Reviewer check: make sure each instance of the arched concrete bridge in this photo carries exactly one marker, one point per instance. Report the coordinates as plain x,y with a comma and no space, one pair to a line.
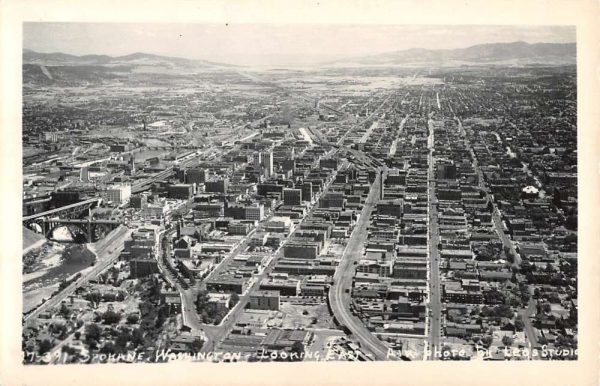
93,229
70,215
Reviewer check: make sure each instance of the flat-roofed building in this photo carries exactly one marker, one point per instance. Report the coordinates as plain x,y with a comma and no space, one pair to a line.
180,191
292,196
117,194
264,300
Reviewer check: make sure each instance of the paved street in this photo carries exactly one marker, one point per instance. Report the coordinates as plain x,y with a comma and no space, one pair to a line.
339,298
435,303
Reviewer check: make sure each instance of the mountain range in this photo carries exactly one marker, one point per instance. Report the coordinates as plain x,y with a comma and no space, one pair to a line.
516,53
135,59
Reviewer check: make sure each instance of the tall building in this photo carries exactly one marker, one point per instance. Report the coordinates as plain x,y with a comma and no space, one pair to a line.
217,186
446,171
268,163
268,188
195,175
307,191
138,201
117,194
140,251
329,163
49,136
258,161
391,207
333,200
292,196
180,191
263,163
289,165
254,212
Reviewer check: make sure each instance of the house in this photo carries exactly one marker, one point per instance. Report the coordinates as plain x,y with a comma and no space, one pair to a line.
183,342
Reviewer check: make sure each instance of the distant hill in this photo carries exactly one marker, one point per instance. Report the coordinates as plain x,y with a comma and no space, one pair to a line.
140,68
61,69
138,58
516,53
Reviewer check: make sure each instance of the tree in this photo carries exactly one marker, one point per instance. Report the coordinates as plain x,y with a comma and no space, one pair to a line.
546,307
507,340
513,278
111,317
45,346
77,334
205,317
122,339
486,340
160,320
571,238
298,349
92,331
64,310
510,257
234,299
571,222
137,337
197,344
69,350
108,348
494,296
59,329
132,318
201,300
519,324
556,198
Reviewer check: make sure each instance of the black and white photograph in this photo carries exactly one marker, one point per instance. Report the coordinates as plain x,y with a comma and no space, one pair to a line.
204,192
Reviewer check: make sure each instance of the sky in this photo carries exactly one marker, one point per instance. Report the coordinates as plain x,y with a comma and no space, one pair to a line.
271,44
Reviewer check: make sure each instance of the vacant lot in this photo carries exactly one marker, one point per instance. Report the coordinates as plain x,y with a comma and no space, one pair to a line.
314,316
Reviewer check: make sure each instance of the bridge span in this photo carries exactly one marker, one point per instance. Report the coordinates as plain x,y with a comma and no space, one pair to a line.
77,207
